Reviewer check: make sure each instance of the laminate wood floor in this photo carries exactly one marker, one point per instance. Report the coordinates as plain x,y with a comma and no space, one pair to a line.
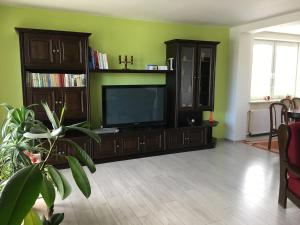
233,184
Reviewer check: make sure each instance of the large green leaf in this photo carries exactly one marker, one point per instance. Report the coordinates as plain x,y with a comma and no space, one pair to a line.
79,176
82,155
85,131
19,195
32,218
48,192
50,115
56,219
60,182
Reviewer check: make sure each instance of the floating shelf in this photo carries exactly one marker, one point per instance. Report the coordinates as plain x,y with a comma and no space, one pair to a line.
129,71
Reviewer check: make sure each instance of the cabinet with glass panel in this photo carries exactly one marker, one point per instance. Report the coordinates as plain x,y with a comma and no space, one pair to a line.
191,85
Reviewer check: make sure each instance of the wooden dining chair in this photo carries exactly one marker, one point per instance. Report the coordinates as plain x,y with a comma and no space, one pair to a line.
278,115
287,102
289,143
296,103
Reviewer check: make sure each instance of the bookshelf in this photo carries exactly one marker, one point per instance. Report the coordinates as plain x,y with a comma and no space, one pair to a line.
54,69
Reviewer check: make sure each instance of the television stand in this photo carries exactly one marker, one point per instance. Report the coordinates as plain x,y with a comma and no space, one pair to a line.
141,142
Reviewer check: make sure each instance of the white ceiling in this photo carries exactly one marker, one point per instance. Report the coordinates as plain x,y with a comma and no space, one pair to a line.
293,28
218,12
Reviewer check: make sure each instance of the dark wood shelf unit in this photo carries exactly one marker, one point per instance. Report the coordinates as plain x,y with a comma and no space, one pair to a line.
51,51
129,71
191,85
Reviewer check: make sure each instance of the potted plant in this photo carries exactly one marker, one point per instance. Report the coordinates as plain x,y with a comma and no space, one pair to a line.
35,177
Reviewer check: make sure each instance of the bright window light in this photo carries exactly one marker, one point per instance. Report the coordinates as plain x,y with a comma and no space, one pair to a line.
274,69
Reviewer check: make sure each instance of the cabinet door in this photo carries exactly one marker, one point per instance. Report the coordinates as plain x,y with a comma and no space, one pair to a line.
74,100
39,50
205,84
194,137
72,52
106,148
174,139
39,95
130,144
187,76
153,142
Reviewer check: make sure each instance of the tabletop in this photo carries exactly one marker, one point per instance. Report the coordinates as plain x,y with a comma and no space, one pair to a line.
294,113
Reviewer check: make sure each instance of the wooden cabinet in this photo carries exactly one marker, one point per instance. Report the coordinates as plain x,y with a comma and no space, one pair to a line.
38,95
184,138
153,141
174,139
48,53
191,85
62,149
72,52
194,137
39,50
54,50
74,99
75,102
141,142
130,143
107,148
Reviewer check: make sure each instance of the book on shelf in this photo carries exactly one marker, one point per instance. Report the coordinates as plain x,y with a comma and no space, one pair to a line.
55,80
97,60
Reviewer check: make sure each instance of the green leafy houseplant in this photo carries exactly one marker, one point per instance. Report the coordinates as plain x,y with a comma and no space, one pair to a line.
41,178
17,122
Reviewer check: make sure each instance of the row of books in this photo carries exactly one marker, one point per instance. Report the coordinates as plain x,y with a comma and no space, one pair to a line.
55,80
97,60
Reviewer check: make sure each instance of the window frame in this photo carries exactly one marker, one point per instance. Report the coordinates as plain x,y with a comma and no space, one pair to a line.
273,67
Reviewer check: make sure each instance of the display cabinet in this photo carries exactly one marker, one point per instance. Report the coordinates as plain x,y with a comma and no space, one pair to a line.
191,85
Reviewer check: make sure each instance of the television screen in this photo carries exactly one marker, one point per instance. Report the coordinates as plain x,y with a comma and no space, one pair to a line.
134,105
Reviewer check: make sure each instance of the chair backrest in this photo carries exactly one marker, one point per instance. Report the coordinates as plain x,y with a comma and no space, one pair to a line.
289,143
278,115
287,102
296,103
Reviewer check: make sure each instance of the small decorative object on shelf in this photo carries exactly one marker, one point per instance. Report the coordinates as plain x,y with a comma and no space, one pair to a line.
267,98
211,117
125,61
151,67
162,67
170,63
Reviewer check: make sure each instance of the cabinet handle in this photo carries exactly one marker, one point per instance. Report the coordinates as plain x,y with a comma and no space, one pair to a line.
53,50
60,102
56,102
57,50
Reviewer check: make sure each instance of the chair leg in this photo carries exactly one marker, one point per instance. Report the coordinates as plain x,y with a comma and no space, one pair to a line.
270,139
282,198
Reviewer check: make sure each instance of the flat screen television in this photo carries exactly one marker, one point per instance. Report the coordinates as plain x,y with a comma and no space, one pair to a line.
134,105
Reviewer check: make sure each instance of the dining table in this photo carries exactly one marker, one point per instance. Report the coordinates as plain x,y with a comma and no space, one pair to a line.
294,114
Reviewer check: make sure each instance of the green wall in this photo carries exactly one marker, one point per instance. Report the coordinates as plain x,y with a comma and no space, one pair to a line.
143,40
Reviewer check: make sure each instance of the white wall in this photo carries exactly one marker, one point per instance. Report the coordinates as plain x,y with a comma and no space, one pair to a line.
241,40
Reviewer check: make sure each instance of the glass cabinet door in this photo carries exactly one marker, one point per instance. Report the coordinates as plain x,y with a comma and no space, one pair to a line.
204,89
187,60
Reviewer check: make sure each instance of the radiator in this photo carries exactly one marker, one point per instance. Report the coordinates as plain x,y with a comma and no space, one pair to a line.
259,121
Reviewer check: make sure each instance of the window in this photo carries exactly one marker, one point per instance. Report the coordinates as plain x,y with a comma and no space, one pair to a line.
275,69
